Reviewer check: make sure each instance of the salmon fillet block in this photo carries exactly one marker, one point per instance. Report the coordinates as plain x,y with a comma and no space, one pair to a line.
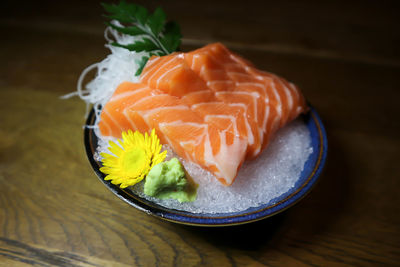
210,105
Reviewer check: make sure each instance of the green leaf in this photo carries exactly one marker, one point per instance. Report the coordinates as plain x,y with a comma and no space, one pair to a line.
132,30
157,36
141,15
124,13
128,8
110,8
172,37
145,45
156,21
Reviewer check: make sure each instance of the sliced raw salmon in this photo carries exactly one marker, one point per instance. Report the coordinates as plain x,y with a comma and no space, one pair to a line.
210,105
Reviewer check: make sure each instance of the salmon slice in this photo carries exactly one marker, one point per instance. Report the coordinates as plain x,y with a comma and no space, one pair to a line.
210,106
172,75
178,125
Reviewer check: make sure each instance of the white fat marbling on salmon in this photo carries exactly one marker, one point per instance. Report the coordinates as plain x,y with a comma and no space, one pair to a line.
250,134
128,117
211,83
231,118
255,96
165,74
113,120
288,96
237,104
234,153
181,123
227,169
279,101
117,97
159,69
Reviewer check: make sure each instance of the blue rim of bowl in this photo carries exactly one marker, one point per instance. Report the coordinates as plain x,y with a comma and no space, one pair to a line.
308,178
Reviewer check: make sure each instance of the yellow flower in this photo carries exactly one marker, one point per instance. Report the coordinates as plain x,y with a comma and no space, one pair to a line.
133,159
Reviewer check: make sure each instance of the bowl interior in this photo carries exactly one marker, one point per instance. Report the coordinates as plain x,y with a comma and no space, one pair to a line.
304,184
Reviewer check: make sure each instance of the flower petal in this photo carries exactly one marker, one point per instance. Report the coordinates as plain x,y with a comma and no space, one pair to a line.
119,167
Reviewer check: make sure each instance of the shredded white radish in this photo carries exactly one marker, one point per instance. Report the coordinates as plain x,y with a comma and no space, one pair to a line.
117,67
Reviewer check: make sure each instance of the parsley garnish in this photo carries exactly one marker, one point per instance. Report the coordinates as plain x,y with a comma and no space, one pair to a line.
158,37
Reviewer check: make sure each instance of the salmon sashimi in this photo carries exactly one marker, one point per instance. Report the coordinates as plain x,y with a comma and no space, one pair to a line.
210,106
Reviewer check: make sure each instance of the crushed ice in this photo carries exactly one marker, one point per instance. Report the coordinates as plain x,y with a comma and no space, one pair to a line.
259,181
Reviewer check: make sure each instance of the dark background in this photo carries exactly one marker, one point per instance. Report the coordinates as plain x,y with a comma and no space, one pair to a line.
343,54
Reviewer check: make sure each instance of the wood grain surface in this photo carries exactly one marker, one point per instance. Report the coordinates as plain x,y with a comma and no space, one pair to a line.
343,54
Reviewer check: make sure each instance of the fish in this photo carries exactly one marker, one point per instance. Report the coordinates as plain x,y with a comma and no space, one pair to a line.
210,105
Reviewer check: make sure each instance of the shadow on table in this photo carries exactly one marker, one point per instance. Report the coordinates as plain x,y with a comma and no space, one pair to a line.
314,215
245,237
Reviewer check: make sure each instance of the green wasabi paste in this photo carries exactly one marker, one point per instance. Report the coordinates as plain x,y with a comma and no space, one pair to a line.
168,180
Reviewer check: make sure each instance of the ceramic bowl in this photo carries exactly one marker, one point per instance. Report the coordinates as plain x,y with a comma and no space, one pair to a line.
304,184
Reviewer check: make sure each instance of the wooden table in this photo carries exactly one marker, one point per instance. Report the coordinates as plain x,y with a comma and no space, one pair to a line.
343,54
